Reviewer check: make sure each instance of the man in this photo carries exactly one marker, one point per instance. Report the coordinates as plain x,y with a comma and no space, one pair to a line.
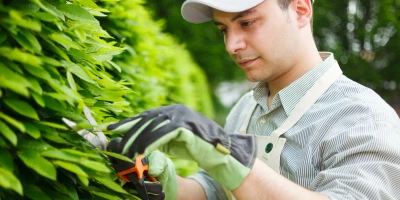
304,132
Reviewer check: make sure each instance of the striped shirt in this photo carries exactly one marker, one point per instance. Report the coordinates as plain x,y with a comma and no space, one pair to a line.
346,146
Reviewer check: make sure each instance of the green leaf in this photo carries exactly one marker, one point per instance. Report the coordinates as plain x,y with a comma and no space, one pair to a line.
117,67
76,12
78,71
54,194
71,167
81,34
49,8
105,54
3,37
3,143
61,155
71,80
8,133
17,18
118,156
32,130
54,137
105,195
47,17
20,56
38,98
88,3
13,81
97,166
20,126
79,153
35,193
72,192
34,85
65,41
61,187
110,184
6,160
54,125
27,40
80,56
21,107
37,146
9,181
51,61
54,48
24,6
42,166
83,180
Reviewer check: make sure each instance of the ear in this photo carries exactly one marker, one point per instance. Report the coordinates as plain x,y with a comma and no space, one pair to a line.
304,12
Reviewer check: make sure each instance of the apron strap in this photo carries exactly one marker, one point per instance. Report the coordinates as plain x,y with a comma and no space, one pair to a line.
312,95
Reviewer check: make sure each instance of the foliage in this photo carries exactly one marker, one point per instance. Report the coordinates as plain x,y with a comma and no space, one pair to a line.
56,58
204,41
364,39
170,74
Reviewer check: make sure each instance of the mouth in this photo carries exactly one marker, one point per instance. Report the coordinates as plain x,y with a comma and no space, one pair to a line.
245,63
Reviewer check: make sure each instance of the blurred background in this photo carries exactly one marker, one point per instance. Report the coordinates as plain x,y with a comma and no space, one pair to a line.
363,35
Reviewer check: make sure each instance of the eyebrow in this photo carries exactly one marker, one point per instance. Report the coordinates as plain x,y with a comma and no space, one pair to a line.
237,16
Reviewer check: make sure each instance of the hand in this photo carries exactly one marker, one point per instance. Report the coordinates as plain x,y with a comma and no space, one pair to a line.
163,170
160,167
185,133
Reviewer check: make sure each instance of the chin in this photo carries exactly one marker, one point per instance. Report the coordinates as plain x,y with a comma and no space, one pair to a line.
252,79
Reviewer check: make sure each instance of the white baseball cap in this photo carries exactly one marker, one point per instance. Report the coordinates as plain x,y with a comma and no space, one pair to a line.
199,11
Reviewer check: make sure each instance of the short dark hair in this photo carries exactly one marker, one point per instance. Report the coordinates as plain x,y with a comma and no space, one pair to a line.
284,4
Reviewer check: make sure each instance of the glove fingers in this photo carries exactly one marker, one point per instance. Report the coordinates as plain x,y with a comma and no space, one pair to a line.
157,163
155,190
143,141
112,127
135,131
153,112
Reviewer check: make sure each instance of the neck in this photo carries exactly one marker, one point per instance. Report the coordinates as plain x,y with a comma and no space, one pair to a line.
306,62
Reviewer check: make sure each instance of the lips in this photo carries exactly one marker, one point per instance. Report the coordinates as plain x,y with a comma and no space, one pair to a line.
246,62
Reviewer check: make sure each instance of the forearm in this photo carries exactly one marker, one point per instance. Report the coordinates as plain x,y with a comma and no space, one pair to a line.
190,189
264,183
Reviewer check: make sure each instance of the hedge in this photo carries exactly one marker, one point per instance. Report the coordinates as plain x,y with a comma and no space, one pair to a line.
60,57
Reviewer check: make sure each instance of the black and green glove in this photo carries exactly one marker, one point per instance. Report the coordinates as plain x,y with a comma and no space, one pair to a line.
184,133
160,167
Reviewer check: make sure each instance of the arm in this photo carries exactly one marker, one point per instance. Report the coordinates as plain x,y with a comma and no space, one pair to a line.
190,189
265,183
262,182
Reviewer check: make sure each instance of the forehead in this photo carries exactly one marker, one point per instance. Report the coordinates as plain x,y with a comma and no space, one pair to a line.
232,16
264,7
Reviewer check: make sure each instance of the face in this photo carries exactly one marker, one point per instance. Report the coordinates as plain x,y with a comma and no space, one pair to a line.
262,41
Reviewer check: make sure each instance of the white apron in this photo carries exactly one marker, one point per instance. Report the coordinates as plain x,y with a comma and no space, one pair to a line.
270,147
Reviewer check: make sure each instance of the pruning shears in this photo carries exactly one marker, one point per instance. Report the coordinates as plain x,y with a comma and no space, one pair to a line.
134,172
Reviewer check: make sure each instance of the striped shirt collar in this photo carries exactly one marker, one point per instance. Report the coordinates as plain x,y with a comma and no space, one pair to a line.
291,95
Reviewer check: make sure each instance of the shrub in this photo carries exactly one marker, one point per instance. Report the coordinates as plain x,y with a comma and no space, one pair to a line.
59,57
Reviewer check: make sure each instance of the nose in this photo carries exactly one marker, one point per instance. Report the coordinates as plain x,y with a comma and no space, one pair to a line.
234,42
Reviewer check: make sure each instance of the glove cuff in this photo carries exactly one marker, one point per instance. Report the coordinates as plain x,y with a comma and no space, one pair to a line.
243,148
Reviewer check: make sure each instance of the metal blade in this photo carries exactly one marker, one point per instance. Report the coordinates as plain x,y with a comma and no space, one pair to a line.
87,135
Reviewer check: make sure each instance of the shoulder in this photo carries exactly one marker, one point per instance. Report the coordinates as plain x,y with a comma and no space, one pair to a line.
347,108
352,99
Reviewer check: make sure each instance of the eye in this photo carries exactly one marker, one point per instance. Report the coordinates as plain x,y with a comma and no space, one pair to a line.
223,30
248,23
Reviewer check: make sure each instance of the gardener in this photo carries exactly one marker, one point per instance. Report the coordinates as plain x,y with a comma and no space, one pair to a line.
305,131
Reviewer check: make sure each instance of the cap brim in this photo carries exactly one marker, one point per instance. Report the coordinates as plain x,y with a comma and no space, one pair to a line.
199,11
